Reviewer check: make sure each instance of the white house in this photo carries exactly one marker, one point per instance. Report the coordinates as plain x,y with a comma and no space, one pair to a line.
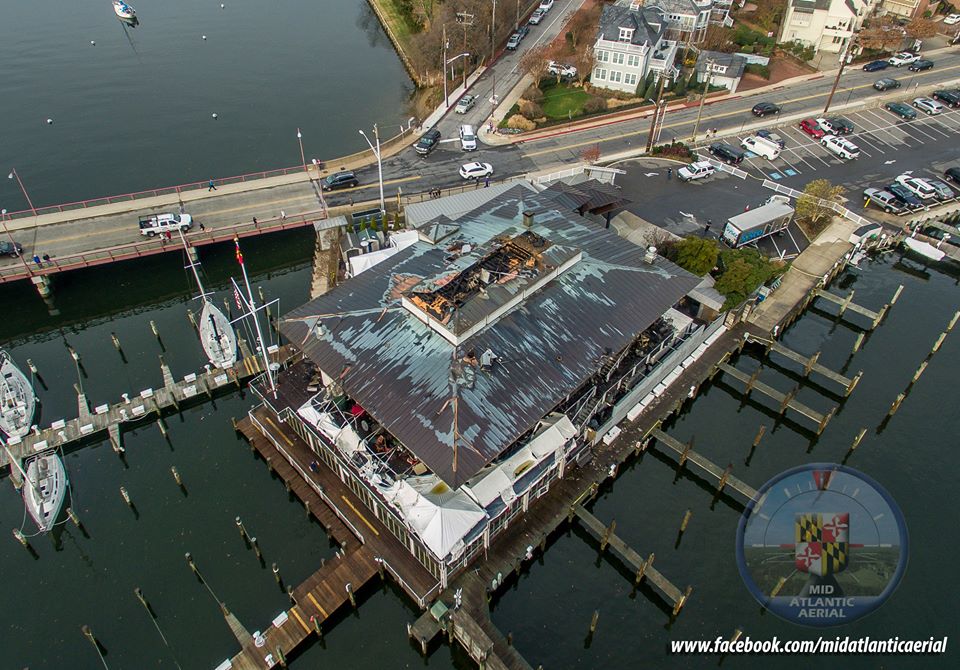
826,25
631,41
688,20
724,69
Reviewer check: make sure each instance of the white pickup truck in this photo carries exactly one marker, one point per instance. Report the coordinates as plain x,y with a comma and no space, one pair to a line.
157,224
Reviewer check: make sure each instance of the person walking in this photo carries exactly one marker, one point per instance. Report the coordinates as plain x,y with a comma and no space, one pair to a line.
669,173
46,258
709,223
36,259
202,227
254,220
211,186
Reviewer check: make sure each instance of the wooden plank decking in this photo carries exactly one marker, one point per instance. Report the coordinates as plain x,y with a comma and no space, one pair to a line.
786,400
707,466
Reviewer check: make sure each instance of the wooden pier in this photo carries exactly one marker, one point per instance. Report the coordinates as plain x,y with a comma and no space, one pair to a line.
642,567
149,403
723,477
786,400
848,304
810,364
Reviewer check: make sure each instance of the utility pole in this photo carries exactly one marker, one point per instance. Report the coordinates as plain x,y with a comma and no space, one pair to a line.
466,20
446,102
703,98
493,33
656,111
845,59
517,26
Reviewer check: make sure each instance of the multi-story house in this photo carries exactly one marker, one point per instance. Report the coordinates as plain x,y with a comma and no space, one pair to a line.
631,42
826,25
688,20
908,8
722,69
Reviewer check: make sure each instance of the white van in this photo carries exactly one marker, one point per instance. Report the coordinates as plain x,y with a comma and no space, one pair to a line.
468,138
761,146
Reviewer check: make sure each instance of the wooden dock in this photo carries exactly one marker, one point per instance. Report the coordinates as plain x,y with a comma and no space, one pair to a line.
149,403
642,567
786,400
712,470
848,304
810,364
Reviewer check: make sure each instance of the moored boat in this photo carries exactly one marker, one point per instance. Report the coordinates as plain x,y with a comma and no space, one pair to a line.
16,398
124,11
45,489
217,336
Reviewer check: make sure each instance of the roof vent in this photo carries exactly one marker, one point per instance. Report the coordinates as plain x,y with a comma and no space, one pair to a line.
528,219
651,255
488,358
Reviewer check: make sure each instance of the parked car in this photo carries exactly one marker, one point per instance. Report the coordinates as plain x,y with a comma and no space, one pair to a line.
901,110
841,147
885,200
886,84
727,153
836,125
876,65
904,195
559,69
951,98
812,128
11,249
514,41
944,192
698,170
476,170
427,142
761,147
537,16
928,105
523,31
904,58
951,19
339,180
151,226
468,138
953,174
765,108
546,5
465,104
920,65
772,136
918,186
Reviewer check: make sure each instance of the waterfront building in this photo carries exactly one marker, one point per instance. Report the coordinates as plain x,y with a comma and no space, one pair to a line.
826,25
631,42
450,384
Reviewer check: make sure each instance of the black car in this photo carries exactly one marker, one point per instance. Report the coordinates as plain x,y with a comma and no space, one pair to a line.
11,249
953,173
427,142
764,108
886,84
340,180
523,31
922,64
949,98
904,195
840,125
727,153
873,66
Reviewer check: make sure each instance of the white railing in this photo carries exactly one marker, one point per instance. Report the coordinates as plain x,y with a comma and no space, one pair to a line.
723,167
421,600
836,207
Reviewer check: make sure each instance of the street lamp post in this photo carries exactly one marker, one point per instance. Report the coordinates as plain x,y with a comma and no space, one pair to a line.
376,152
13,175
3,220
303,160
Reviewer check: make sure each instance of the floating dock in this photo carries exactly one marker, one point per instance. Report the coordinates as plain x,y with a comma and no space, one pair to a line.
705,465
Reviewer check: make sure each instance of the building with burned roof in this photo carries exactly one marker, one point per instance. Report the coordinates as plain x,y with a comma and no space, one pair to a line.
451,383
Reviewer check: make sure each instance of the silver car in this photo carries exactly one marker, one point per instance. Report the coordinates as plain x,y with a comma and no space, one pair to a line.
944,192
928,105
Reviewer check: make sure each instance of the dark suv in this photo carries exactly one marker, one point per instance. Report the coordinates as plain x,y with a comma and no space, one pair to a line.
13,250
340,180
427,142
727,153
840,125
949,98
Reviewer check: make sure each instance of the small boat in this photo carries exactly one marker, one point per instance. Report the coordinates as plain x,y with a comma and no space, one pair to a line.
16,399
124,11
45,489
924,249
217,337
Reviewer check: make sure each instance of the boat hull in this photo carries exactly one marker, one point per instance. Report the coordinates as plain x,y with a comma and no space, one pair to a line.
217,337
17,403
124,11
45,489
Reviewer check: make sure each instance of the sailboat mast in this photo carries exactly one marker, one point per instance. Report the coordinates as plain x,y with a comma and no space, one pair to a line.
193,265
256,320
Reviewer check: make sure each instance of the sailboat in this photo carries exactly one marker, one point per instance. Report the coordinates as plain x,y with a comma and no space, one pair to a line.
124,11
44,490
16,397
216,334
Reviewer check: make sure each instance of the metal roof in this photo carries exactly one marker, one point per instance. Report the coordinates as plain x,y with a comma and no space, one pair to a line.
455,206
452,413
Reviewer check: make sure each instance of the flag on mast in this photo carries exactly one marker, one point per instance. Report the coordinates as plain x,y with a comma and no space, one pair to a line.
236,242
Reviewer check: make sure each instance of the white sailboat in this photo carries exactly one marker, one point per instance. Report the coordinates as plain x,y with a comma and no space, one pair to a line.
216,334
124,11
44,489
16,398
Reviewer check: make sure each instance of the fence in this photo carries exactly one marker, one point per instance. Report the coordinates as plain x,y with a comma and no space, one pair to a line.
836,207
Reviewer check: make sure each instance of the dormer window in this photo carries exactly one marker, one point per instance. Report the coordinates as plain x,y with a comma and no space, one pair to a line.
626,34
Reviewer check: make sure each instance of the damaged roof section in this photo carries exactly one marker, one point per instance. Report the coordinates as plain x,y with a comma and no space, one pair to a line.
459,348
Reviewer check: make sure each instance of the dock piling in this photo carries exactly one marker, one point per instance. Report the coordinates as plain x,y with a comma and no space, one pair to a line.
593,621
189,558
682,601
306,508
896,404
916,375
276,573
606,535
226,304
176,475
192,319
858,342
938,343
21,538
857,439
73,353
153,327
116,342
776,589
281,658
243,534
686,520
256,548
953,321
126,496
33,368
736,635
760,431
290,594
319,631
73,517
379,562
353,600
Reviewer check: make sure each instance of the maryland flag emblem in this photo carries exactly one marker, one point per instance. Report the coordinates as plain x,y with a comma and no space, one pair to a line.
822,543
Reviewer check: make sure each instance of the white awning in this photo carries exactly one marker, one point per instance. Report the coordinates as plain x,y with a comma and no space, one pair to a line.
491,487
322,421
557,432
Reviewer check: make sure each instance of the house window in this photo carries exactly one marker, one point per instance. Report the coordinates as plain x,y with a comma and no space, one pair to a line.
626,34
603,56
617,59
633,60
600,74
615,75
629,78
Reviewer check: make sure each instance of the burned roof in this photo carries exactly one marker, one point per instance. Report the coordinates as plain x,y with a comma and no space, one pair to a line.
533,311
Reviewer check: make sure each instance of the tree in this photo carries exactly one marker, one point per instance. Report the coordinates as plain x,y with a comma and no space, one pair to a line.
584,60
695,254
921,28
718,38
881,34
813,212
583,26
535,62
744,270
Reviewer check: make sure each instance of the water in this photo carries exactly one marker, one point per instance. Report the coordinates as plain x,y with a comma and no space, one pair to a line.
134,111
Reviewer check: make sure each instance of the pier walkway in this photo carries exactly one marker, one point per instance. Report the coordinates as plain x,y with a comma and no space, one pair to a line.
712,470
810,364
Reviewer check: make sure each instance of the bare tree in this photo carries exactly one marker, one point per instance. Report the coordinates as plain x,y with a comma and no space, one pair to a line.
584,59
583,25
535,62
921,28
882,33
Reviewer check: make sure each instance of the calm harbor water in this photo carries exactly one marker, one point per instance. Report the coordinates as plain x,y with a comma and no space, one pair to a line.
134,111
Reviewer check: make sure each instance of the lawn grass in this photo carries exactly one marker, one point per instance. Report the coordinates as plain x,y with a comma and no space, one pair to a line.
562,101
402,30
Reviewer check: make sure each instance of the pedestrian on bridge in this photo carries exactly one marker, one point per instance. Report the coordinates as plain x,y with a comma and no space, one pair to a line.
211,186
36,259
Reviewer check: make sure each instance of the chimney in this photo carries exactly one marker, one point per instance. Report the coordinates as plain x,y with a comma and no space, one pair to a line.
651,255
528,218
